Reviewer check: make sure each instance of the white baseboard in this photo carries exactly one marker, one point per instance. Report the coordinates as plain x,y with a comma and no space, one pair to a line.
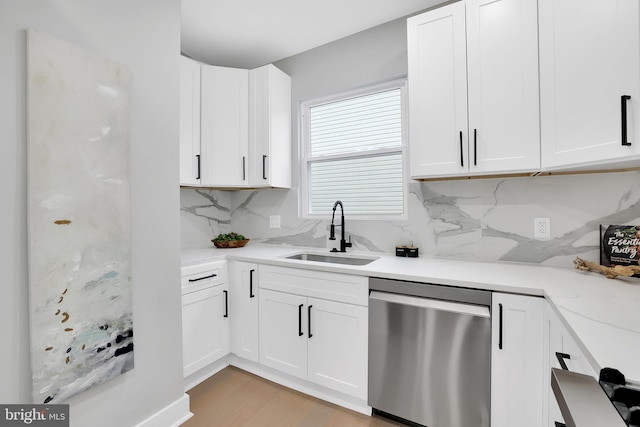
173,415
302,386
199,376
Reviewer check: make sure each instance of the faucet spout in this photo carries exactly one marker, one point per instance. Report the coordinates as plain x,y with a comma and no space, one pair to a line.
332,236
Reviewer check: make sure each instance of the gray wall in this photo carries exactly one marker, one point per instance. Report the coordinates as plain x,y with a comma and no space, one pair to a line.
145,35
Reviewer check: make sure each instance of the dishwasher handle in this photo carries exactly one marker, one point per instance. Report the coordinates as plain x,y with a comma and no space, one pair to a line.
455,307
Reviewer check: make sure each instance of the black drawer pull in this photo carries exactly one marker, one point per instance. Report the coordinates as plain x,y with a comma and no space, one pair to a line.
244,169
475,147
264,167
561,357
203,278
198,158
251,295
500,328
623,107
461,151
226,304
560,424
310,334
300,333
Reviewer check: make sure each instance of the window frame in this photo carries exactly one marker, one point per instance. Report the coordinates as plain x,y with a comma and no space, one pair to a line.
305,158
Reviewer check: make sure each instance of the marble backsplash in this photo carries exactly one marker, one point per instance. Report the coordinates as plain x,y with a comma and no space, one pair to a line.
480,219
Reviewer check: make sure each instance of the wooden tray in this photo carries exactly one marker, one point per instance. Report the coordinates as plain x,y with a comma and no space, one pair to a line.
227,244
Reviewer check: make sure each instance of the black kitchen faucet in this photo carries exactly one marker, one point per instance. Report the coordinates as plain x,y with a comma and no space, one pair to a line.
343,243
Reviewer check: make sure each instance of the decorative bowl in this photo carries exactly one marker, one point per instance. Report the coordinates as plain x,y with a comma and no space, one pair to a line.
224,244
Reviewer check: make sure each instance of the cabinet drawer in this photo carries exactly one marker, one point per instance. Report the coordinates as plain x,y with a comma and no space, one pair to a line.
317,284
202,276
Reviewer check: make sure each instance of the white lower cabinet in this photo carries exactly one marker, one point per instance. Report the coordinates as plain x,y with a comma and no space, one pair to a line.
244,306
517,391
559,345
312,338
205,327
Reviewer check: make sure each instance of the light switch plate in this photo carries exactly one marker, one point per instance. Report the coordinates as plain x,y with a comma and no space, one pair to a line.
274,221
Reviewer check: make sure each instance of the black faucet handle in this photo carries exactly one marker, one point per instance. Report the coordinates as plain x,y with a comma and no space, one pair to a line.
332,233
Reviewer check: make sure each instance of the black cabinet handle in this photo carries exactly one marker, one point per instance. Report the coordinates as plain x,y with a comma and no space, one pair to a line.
475,147
561,357
264,166
560,424
226,304
310,335
251,295
623,103
244,169
202,278
461,151
500,327
198,161
300,333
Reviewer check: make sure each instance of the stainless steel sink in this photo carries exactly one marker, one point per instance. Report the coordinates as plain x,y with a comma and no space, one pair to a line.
334,259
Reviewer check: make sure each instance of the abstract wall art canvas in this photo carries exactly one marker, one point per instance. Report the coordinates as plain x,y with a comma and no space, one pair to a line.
80,296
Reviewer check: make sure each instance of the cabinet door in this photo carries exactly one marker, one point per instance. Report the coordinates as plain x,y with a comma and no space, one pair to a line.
438,92
189,121
225,121
244,306
502,61
517,361
269,128
338,346
283,335
589,59
205,327
559,343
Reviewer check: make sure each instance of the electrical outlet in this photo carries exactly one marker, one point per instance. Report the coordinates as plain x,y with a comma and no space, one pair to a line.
542,228
274,221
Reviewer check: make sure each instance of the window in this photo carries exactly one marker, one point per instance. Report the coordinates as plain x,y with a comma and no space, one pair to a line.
353,148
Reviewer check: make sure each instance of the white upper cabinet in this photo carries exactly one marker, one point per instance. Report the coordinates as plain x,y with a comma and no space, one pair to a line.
225,126
235,126
438,92
502,63
589,63
189,121
473,89
269,128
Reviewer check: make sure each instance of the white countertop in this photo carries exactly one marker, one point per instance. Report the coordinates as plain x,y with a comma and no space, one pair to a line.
603,314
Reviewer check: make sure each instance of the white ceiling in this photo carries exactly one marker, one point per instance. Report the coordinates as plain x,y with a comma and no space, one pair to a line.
251,33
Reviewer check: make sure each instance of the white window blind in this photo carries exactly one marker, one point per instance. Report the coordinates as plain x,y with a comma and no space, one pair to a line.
354,146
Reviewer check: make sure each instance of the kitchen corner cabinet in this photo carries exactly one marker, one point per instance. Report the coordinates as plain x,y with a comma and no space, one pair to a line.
589,63
205,316
313,325
244,306
559,345
517,389
225,126
189,121
473,89
269,128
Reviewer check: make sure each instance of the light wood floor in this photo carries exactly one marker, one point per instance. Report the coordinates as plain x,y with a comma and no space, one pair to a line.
236,398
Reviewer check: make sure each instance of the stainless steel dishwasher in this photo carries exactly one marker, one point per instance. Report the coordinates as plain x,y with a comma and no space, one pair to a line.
430,353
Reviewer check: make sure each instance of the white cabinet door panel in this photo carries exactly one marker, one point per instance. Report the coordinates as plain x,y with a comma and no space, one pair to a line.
517,361
225,121
283,341
438,92
338,346
189,121
502,57
205,329
589,58
244,303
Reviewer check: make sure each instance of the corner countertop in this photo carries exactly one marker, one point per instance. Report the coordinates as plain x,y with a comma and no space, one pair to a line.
603,314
